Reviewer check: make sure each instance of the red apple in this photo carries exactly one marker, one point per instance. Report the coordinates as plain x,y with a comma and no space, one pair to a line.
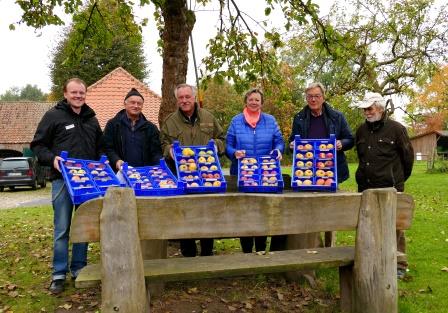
328,182
329,155
320,164
321,155
329,163
320,181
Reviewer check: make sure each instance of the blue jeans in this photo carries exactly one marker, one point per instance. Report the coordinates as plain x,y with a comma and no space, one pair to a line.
63,210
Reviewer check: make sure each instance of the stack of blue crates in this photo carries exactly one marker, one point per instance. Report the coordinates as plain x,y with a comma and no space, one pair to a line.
199,168
260,174
152,180
87,179
314,165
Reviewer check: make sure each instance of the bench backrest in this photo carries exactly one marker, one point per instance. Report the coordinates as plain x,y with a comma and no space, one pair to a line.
234,214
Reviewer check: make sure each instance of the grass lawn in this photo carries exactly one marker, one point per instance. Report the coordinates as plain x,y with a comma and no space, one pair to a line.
25,266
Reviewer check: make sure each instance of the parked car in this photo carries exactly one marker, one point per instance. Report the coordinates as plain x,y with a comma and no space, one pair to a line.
21,171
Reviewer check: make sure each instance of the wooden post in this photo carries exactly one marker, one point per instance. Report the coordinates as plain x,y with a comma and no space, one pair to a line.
154,249
122,274
375,269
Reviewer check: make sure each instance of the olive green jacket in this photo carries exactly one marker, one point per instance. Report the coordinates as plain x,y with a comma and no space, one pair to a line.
177,127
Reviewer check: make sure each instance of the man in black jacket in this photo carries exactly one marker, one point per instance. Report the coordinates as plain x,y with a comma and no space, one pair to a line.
385,155
130,137
70,126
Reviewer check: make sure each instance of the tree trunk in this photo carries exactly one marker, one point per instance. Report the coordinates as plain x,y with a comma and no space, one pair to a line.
179,22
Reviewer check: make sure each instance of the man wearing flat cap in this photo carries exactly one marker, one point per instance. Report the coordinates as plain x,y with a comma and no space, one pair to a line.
130,137
385,155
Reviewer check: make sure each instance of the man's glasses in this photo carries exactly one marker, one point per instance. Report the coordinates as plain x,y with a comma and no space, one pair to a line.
311,97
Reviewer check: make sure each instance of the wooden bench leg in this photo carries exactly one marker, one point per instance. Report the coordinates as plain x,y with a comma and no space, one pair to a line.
374,272
346,288
154,249
122,273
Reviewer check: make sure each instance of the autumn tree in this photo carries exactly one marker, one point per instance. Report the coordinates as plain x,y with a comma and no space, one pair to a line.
430,105
386,47
237,53
100,39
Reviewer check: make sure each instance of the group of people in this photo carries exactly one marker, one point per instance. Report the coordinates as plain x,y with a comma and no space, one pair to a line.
383,147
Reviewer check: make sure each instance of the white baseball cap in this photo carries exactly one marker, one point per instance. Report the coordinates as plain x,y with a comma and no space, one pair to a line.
370,99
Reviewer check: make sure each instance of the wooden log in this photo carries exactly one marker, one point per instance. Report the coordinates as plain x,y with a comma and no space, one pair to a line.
375,268
122,273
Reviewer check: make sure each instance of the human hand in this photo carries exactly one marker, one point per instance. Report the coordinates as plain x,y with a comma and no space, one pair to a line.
119,164
338,145
240,154
277,154
56,163
291,145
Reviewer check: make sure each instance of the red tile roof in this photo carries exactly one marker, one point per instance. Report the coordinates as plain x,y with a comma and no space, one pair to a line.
106,96
19,120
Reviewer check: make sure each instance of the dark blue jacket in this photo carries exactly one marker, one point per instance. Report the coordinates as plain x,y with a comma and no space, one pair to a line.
261,140
335,123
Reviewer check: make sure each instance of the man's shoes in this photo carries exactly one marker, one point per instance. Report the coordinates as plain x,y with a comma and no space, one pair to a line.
57,286
401,273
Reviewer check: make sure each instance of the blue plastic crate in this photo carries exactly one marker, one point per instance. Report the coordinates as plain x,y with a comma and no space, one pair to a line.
199,168
87,179
260,174
314,165
152,180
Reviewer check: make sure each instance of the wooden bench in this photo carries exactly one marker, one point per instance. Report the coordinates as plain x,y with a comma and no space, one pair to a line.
367,271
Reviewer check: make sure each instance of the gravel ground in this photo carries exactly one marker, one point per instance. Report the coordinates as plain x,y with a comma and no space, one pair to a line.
25,196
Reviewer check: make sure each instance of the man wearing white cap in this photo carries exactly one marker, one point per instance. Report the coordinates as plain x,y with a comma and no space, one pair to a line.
385,155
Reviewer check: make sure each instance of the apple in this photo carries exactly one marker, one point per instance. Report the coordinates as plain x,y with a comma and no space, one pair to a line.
182,161
330,146
300,156
243,172
209,175
272,179
300,164
210,159
309,155
320,164
309,164
213,168
298,173
308,173
265,173
299,182
320,173
187,152
307,182
300,147
190,161
204,168
320,181
265,184
202,152
217,175
192,166
322,146
329,163
272,166
329,155
216,183
202,159
183,168
265,178
308,146
194,185
328,182
329,173
208,184
210,152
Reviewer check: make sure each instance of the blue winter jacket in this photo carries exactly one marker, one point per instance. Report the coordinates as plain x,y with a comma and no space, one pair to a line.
336,124
262,139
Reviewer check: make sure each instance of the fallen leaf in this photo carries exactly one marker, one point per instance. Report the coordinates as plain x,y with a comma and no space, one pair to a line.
66,306
231,308
248,305
280,296
13,294
191,291
444,269
224,300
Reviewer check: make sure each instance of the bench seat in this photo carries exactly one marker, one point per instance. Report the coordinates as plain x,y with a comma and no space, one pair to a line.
178,269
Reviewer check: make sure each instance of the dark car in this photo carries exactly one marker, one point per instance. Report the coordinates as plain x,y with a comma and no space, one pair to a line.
21,171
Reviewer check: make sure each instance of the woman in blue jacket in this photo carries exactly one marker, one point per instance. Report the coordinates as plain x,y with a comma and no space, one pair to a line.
253,133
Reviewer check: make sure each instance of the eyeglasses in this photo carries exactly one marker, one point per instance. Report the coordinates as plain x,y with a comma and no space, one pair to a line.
311,97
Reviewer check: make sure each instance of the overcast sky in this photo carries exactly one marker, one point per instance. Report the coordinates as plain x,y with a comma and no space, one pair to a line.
25,53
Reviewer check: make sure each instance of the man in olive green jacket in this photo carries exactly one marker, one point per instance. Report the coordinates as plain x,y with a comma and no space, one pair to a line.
191,126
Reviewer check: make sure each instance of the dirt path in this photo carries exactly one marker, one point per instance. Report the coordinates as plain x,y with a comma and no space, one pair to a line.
25,196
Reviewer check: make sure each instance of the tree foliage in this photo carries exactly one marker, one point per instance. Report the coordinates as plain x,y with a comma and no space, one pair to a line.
430,106
102,37
28,93
386,47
